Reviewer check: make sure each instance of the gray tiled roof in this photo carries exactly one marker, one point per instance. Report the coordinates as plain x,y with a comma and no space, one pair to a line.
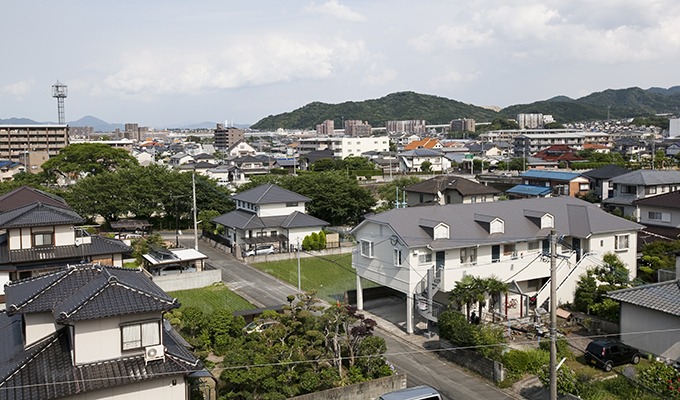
663,296
98,246
245,220
269,194
25,195
666,200
87,292
623,199
606,172
572,217
47,371
442,183
646,177
39,214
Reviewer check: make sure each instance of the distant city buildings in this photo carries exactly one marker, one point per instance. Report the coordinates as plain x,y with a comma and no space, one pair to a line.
463,125
357,127
226,137
416,126
32,145
327,127
674,127
533,121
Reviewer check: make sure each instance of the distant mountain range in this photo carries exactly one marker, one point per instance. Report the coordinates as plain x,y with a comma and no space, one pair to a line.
99,125
620,103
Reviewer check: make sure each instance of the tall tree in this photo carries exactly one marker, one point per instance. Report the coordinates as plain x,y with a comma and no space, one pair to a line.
82,159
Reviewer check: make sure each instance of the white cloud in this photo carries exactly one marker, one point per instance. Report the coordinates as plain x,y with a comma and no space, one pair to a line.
454,77
247,62
334,9
18,89
453,37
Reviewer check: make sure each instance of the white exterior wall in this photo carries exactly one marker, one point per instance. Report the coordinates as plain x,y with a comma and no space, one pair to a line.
299,234
118,260
356,146
64,235
661,330
602,244
100,339
670,216
4,278
270,210
160,388
38,325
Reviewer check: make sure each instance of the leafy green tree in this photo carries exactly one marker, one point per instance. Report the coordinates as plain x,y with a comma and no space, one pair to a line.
656,256
141,246
84,159
495,288
567,383
426,166
592,287
387,193
465,293
661,378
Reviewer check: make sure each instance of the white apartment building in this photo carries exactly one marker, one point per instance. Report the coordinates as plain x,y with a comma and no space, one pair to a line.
344,147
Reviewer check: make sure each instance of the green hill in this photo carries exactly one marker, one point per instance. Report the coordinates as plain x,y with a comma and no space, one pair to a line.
620,103
396,106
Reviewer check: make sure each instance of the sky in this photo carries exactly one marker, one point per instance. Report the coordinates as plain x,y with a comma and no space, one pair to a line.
169,63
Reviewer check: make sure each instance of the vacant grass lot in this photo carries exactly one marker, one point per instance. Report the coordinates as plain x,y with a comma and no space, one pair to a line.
331,276
212,298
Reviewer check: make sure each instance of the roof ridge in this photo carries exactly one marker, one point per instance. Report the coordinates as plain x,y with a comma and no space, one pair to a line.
65,272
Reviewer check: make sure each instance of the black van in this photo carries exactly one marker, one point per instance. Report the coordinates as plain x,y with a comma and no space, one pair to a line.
606,353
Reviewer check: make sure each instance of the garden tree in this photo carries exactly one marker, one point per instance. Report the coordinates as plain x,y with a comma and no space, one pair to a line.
605,158
426,166
465,293
326,164
515,164
140,246
590,197
661,161
486,339
656,256
84,159
205,223
661,378
387,193
336,198
495,288
150,192
358,163
592,287
567,382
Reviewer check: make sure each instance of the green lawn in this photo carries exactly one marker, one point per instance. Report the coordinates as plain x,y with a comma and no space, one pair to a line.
331,276
212,298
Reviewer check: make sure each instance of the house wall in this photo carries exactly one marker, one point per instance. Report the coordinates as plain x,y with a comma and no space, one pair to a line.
269,210
100,339
299,234
648,330
172,387
64,235
670,216
20,238
38,325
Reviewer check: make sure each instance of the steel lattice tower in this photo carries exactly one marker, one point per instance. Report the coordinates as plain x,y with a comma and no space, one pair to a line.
60,91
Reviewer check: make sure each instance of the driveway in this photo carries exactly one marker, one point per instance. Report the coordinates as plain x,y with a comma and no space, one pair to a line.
409,353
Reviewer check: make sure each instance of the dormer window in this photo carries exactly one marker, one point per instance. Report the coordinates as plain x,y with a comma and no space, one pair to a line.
543,219
140,334
490,223
43,239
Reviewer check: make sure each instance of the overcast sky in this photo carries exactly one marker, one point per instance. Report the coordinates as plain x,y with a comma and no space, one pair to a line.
167,62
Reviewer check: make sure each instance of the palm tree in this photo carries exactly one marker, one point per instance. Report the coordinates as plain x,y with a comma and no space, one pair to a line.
495,287
464,294
479,292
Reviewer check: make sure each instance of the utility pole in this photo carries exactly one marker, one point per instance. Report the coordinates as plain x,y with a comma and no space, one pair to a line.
553,316
193,188
299,276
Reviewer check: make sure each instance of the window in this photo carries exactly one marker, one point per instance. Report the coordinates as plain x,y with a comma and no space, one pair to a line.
135,336
473,199
424,258
584,187
621,242
397,257
367,248
42,239
650,190
468,255
626,189
509,250
292,204
654,215
533,245
660,216
273,233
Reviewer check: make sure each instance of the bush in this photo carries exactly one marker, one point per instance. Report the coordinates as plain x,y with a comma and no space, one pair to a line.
567,382
562,347
519,363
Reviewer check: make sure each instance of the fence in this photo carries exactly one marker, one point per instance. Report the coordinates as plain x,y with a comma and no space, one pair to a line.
470,359
368,390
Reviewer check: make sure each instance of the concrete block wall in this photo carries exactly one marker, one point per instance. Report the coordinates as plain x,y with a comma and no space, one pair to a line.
361,391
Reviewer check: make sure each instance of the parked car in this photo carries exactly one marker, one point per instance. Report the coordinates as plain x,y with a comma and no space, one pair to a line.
607,353
260,325
261,250
414,393
175,269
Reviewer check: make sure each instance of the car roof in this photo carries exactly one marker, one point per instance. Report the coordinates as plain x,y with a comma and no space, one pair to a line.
409,393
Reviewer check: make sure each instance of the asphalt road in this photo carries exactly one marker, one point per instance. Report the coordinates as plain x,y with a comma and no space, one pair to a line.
421,366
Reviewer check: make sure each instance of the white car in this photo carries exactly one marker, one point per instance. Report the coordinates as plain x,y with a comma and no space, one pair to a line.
261,250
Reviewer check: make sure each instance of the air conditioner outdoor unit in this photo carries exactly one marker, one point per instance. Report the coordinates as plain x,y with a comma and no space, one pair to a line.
154,353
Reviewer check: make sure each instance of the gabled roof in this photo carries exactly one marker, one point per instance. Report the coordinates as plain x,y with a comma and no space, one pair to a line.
99,245
46,370
25,195
84,292
421,153
569,215
663,296
606,172
443,183
39,214
646,177
246,220
551,175
666,200
269,194
427,143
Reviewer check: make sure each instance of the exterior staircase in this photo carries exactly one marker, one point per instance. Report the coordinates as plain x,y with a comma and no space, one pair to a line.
426,307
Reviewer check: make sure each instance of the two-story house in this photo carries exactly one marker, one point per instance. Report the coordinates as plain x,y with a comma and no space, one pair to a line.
600,179
560,183
413,160
268,214
449,189
637,185
423,251
91,332
41,233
